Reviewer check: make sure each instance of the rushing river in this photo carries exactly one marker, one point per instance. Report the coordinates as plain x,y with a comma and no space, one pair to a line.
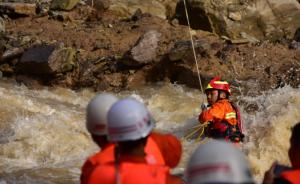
43,137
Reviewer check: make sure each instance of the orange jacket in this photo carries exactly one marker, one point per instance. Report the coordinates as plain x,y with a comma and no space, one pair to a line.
293,176
165,147
157,149
132,170
104,156
221,111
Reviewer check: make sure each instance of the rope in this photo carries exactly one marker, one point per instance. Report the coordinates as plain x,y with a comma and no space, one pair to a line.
198,128
193,47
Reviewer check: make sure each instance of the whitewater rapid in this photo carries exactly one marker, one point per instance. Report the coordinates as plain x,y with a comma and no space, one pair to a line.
43,138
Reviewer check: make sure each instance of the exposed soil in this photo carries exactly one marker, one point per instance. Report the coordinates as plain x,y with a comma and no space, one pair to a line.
102,41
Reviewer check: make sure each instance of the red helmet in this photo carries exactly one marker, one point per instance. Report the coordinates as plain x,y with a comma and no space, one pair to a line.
216,83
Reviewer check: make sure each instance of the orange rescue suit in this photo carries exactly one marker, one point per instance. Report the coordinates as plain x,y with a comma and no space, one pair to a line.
158,149
221,115
292,176
132,170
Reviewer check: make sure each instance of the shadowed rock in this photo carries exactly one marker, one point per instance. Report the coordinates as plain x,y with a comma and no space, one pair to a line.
183,49
47,59
18,8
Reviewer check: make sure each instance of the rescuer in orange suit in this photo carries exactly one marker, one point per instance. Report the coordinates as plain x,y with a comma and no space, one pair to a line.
157,148
129,125
221,115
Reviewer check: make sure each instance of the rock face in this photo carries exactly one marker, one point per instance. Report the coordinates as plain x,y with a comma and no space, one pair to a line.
237,19
183,50
126,8
46,59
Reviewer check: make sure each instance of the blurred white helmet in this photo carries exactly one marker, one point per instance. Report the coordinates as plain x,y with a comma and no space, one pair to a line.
218,162
96,113
128,119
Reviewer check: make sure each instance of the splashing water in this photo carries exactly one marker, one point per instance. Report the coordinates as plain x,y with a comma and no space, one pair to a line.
44,140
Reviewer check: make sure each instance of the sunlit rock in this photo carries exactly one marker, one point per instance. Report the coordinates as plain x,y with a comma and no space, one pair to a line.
126,8
260,19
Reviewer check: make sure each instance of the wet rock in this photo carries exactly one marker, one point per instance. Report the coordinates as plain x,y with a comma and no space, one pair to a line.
18,8
183,49
145,50
30,82
260,19
47,59
63,4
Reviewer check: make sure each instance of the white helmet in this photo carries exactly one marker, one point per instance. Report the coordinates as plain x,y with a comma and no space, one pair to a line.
96,113
218,162
128,120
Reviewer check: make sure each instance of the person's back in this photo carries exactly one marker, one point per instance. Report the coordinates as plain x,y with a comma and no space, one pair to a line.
129,173
157,151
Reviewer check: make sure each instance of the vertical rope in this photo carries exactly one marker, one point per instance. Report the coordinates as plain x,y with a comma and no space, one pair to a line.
193,47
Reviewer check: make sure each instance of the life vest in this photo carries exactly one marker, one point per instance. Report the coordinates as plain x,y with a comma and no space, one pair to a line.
157,151
104,156
292,176
163,144
129,173
225,121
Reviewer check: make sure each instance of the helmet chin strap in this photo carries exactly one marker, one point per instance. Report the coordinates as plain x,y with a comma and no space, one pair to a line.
218,95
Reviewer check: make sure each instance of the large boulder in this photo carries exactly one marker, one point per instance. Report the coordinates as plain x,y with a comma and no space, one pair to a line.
239,19
18,8
126,8
47,59
145,49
